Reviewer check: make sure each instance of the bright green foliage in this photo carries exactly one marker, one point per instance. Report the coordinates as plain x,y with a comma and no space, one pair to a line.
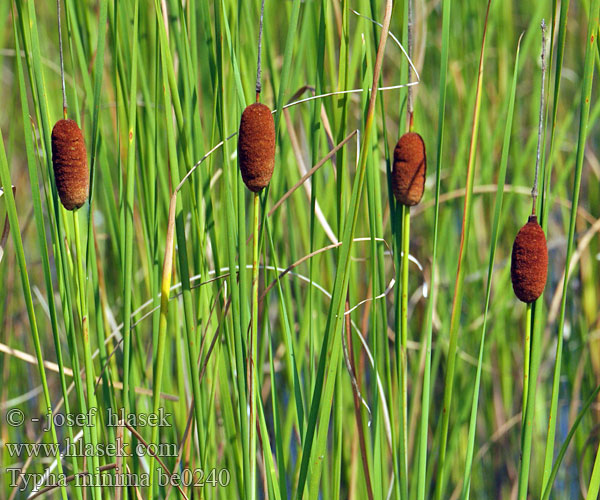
158,89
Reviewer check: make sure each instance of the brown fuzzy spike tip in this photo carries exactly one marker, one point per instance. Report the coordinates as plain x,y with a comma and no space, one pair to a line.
69,159
529,263
410,164
256,146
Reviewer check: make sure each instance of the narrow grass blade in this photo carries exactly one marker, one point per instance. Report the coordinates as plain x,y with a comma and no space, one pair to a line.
496,226
426,398
330,353
460,273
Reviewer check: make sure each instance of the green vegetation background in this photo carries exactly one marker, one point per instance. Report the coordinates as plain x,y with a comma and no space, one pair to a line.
154,94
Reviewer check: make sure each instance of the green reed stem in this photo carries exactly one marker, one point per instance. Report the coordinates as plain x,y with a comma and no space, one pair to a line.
529,408
526,355
129,233
594,485
425,400
90,379
460,274
165,288
403,351
253,351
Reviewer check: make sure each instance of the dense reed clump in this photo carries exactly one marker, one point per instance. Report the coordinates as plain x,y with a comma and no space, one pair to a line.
408,173
529,263
256,146
69,159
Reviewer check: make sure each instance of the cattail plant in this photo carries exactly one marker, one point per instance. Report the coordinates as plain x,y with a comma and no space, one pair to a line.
256,156
528,273
408,184
69,161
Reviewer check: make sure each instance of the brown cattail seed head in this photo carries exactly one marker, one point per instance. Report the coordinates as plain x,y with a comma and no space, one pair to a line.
256,146
408,174
69,159
529,263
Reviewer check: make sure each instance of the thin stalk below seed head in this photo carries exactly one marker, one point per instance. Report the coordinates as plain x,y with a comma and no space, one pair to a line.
409,98
258,64
253,350
62,65
534,190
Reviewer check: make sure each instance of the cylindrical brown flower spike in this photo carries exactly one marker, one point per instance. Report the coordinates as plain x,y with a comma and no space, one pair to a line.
410,164
529,263
69,159
256,146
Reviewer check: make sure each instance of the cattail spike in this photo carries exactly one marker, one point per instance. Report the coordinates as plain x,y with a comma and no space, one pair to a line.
529,262
256,146
69,159
410,164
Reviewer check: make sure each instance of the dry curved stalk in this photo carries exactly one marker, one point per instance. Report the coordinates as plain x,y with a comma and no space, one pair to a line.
69,479
153,455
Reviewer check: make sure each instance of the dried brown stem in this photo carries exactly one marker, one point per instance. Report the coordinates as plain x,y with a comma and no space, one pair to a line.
534,191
